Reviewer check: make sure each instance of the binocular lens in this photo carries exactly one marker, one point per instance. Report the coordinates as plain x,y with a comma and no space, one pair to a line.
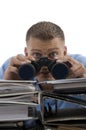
59,71
27,71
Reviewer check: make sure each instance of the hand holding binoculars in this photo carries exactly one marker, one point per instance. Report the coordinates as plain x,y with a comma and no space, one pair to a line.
58,70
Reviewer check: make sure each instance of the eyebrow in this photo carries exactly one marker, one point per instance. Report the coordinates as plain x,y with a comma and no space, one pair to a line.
36,50
50,49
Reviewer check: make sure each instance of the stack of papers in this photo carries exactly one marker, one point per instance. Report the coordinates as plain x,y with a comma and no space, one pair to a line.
15,99
68,86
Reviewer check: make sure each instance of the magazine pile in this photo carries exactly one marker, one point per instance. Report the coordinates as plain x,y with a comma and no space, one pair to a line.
15,99
17,102
62,91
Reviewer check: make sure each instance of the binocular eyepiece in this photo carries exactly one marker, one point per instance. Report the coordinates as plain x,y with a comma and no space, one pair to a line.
29,71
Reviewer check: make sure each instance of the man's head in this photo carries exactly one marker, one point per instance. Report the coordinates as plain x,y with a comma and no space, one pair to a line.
45,31
45,39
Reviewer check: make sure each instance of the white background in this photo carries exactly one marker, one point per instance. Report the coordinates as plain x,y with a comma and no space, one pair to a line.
16,16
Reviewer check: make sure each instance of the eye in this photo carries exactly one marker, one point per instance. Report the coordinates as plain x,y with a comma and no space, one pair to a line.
37,55
52,55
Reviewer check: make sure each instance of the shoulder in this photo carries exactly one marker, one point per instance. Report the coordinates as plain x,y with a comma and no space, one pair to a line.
79,57
4,67
6,63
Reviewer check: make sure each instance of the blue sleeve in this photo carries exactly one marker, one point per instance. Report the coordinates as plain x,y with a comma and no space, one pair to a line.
80,58
3,68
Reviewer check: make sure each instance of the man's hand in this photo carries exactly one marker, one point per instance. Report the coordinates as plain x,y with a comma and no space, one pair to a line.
76,69
11,72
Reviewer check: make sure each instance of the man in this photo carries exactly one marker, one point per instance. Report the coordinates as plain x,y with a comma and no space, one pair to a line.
45,39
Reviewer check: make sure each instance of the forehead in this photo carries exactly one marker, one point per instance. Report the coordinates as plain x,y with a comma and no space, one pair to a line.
35,43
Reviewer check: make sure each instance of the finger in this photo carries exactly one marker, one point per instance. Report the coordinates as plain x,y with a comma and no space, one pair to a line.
76,71
72,61
23,58
67,59
30,58
12,69
14,62
11,73
17,61
62,59
20,57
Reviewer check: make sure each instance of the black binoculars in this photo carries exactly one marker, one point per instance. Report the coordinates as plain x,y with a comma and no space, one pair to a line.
58,70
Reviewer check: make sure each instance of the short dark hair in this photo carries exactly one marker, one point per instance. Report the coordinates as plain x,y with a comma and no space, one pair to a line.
45,31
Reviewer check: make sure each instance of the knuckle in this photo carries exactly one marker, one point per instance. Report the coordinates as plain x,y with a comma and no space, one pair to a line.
12,60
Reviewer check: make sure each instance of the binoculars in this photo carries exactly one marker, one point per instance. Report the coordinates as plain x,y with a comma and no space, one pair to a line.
58,70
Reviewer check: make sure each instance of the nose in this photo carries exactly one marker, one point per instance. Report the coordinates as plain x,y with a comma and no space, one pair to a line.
44,69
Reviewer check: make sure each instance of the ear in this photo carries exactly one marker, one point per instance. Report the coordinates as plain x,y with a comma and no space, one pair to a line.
25,51
65,50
